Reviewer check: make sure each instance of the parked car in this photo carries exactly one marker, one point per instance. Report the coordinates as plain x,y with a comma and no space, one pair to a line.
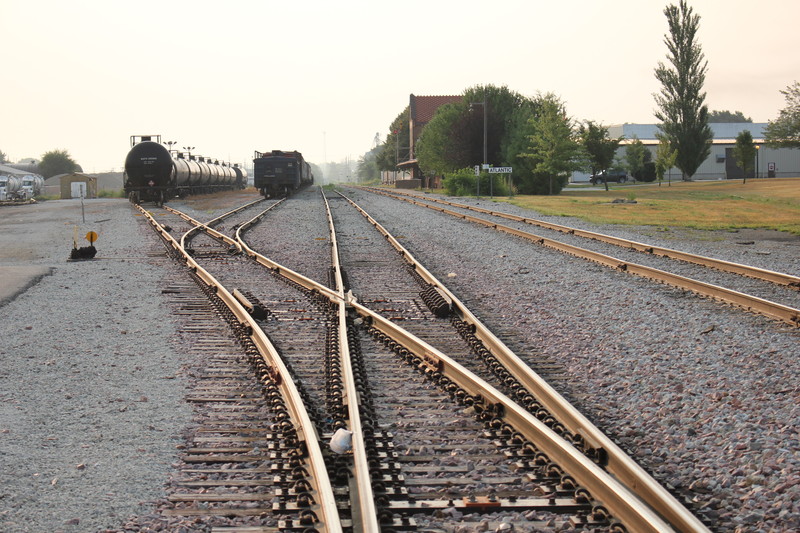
619,176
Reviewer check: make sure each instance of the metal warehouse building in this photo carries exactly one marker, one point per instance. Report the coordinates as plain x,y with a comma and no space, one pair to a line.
770,162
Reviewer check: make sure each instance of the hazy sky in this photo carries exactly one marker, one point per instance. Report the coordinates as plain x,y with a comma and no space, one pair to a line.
323,77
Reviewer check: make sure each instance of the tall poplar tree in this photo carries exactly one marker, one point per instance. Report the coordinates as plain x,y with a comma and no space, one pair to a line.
682,111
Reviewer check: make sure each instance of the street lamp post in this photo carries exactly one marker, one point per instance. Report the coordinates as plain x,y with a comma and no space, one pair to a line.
170,144
396,152
189,150
485,158
758,148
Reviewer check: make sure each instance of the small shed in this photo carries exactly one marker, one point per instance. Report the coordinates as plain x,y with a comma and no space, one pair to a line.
77,185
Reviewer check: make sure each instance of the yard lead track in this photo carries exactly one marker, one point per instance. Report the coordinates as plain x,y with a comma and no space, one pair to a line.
537,393
428,355
789,314
495,409
258,462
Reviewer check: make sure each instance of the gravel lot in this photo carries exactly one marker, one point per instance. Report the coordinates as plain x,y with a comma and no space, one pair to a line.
90,386
704,395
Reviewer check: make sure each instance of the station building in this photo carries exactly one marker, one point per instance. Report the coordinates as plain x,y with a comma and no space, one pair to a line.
408,174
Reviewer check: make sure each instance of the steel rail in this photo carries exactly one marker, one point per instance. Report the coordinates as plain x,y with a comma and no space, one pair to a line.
778,278
619,463
623,503
223,216
367,512
774,310
325,502
300,279
634,494
619,499
206,226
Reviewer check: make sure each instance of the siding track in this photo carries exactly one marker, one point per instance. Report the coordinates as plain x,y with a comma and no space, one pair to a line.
445,443
674,269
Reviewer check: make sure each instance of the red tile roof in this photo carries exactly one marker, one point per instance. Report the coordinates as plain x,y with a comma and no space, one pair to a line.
423,107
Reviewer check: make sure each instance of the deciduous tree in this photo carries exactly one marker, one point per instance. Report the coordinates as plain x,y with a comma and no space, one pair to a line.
635,157
727,116
784,131
520,127
367,168
442,146
2,157
745,153
598,146
553,147
395,148
454,137
665,158
57,162
682,112
501,105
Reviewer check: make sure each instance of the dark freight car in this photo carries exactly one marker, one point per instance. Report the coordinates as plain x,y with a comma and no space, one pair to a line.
153,173
279,173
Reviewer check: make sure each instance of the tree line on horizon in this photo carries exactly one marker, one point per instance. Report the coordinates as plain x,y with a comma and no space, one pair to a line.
52,163
544,145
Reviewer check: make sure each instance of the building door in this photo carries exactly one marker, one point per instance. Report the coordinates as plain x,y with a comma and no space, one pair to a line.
78,189
732,170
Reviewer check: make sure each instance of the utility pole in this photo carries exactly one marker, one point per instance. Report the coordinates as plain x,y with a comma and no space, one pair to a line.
485,156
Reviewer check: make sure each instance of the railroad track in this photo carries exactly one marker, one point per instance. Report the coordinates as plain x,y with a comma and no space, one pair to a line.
536,454
253,460
765,285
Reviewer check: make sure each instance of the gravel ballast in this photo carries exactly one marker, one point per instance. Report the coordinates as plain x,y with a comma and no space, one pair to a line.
704,395
92,397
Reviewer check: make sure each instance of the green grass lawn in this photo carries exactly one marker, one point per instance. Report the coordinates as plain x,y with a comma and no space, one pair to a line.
763,203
